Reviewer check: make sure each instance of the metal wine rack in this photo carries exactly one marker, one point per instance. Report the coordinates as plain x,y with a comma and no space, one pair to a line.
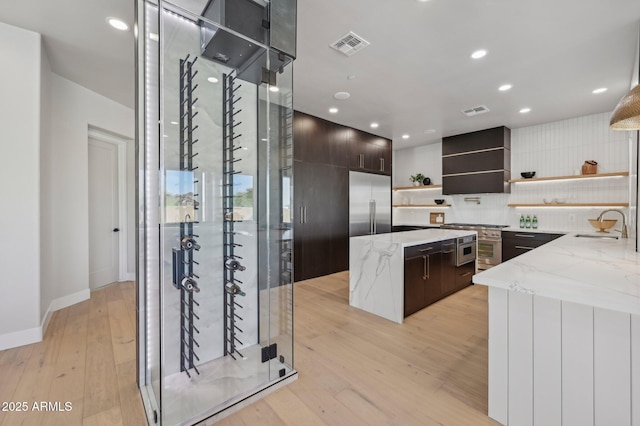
232,263
184,277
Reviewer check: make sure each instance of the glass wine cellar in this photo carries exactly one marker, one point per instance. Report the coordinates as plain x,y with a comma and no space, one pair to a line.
215,237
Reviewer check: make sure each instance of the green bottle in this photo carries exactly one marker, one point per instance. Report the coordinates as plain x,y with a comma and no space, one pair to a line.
527,222
521,221
534,222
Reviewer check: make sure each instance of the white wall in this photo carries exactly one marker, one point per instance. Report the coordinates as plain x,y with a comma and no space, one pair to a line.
20,187
46,150
551,149
74,109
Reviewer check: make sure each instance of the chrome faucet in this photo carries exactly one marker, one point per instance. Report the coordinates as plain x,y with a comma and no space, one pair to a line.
625,233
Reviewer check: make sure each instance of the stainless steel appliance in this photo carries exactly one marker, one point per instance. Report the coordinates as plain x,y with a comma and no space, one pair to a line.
369,204
465,250
489,242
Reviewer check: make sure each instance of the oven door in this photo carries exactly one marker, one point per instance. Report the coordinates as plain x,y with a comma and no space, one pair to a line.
466,253
489,253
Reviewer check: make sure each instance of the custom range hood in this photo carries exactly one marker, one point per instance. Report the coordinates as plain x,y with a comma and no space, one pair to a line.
267,23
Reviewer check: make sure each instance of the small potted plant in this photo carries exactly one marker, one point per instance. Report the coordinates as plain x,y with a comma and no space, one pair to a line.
417,179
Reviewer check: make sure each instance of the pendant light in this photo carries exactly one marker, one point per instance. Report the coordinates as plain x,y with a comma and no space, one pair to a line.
626,116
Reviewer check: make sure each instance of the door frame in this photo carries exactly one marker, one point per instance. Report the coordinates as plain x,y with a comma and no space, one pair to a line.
121,145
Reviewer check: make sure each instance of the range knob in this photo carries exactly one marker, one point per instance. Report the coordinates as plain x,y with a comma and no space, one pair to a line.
233,265
189,244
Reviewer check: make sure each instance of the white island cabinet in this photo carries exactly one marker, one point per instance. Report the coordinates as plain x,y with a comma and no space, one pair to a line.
564,334
376,268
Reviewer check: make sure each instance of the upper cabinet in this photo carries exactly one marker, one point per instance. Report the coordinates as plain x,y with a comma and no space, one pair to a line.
369,153
477,162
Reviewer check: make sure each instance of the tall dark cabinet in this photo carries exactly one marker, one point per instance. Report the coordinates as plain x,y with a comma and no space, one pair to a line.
324,153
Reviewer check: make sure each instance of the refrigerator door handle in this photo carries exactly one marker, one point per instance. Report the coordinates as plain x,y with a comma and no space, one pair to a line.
371,216
375,219
301,214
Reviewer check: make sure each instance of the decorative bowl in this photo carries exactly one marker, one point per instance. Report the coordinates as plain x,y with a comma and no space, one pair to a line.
602,225
528,175
439,201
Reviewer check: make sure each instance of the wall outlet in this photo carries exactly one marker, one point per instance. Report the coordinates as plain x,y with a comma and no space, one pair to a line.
572,217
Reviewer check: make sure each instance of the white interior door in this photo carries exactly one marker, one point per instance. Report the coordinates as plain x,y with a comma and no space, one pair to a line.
103,213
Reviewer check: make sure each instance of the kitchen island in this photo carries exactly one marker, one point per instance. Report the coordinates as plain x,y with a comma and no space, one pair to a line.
377,268
564,334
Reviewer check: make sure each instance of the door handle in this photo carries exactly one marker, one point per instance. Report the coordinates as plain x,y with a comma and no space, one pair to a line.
116,229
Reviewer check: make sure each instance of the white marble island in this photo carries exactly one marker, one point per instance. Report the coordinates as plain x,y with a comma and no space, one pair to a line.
376,268
564,334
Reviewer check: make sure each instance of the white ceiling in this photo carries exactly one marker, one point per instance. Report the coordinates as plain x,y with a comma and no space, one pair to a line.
416,74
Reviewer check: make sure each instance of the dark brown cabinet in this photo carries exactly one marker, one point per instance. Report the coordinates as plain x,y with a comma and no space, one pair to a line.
477,162
516,243
369,153
430,274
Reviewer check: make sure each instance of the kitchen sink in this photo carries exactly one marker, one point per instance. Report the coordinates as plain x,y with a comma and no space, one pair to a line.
612,237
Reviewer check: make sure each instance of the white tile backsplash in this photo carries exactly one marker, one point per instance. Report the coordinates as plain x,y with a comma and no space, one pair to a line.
551,149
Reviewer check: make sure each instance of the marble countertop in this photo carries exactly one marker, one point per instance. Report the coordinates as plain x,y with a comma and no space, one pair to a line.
604,273
414,238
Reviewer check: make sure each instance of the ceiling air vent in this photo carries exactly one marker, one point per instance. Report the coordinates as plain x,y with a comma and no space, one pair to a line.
475,111
350,43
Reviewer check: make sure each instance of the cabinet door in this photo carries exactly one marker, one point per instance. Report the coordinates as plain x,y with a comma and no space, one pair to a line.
433,282
337,209
464,275
413,285
448,267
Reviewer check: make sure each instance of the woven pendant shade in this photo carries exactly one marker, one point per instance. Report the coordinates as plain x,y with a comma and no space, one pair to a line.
626,116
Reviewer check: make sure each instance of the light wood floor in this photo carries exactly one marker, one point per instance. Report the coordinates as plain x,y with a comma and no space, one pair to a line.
354,368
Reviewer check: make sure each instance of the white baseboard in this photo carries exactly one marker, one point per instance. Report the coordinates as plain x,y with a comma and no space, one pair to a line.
63,302
130,276
34,335
20,338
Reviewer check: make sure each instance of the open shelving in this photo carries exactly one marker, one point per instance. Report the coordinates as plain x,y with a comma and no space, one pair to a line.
552,178
414,188
571,205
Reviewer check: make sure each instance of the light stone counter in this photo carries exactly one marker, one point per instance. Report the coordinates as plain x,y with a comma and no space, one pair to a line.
603,273
376,269
564,334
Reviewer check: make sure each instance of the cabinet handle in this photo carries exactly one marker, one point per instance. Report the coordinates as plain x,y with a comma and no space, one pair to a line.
424,267
305,214
361,161
382,164
426,249
525,236
466,274
301,214
448,251
525,247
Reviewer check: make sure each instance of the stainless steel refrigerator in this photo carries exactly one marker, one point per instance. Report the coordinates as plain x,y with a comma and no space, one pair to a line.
369,204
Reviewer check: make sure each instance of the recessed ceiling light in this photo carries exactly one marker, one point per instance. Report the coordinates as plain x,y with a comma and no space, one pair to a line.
174,123
274,89
341,96
212,80
504,87
525,110
351,77
264,139
405,136
600,90
333,110
118,24
374,125
479,54
423,1
430,131
154,36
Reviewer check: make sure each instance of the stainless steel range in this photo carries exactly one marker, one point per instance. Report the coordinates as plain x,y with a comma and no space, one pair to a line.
489,242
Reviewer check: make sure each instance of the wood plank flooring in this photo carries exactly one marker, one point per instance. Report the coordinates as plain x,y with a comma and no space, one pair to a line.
354,368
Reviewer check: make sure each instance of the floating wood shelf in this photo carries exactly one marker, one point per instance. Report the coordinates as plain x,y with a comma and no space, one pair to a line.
422,205
572,205
541,179
413,188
